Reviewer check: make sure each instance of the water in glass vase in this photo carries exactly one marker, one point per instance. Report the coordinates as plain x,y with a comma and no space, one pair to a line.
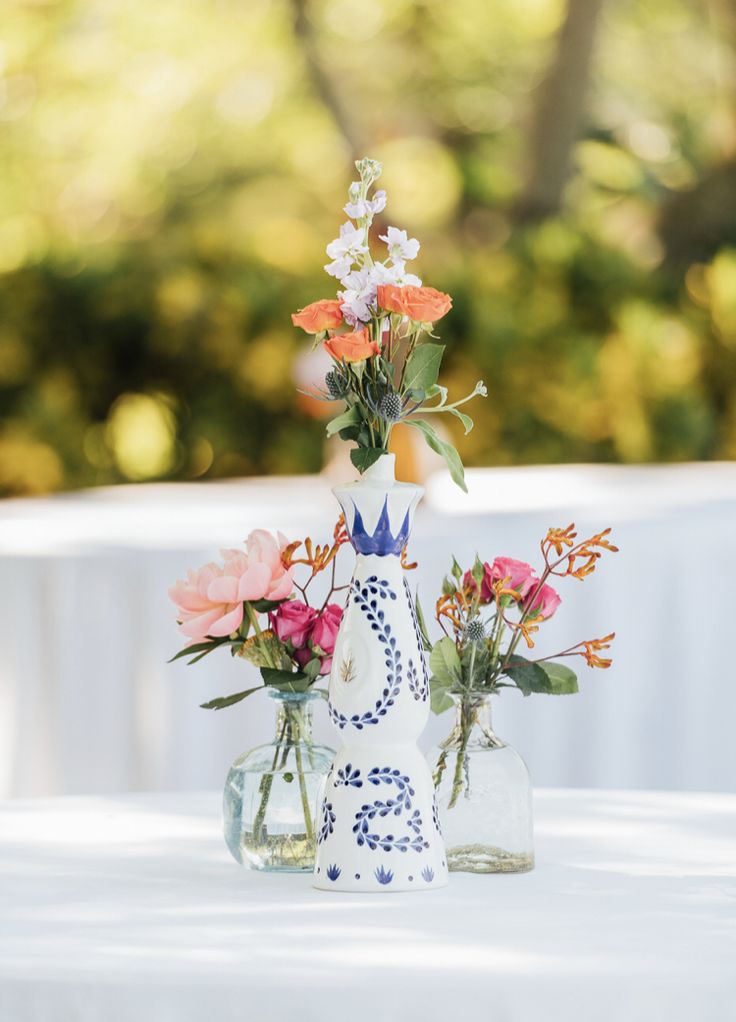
271,792
484,794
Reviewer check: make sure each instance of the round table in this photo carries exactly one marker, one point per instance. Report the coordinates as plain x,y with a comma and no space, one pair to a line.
129,908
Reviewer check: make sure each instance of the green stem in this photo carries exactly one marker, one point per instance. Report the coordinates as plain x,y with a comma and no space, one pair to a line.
266,785
466,726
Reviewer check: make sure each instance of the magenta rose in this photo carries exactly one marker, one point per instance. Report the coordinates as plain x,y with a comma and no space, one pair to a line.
324,634
542,602
519,573
292,622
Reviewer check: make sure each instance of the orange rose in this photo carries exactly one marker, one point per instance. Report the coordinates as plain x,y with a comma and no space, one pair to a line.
421,304
322,315
351,347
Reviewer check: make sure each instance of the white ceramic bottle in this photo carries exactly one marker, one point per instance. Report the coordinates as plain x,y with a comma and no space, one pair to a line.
378,828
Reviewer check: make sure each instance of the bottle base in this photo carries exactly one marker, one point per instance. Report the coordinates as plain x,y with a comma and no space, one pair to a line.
487,859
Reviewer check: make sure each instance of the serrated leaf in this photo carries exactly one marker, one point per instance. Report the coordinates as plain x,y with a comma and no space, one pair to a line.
364,457
445,662
223,701
423,367
441,447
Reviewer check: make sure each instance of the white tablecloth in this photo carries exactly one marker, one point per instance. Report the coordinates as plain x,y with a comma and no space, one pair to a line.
129,908
87,702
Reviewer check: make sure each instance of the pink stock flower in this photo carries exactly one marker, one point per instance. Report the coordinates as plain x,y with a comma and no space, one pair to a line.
210,600
292,622
542,602
520,577
324,634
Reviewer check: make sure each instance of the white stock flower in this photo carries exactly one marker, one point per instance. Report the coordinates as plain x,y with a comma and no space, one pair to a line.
400,246
357,298
345,250
360,208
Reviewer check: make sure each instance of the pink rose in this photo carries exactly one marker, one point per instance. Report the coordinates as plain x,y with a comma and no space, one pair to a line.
201,612
292,622
519,573
542,602
324,635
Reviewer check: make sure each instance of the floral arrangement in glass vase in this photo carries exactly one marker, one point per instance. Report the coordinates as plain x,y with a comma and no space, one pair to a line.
486,613
256,603
378,332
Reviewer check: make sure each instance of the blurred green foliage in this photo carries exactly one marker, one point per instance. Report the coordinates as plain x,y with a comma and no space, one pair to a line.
171,172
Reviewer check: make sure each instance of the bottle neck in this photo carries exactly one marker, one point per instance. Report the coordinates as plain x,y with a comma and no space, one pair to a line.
473,718
293,715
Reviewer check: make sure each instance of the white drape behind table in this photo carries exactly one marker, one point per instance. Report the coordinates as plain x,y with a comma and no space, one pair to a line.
129,909
88,703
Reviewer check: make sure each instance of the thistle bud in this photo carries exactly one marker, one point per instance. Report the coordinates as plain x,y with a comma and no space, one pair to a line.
390,407
474,631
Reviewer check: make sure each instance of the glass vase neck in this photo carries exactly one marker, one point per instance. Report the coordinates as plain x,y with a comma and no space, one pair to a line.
473,717
293,714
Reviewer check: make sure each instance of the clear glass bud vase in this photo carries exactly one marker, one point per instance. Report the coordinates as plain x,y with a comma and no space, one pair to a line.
270,795
484,794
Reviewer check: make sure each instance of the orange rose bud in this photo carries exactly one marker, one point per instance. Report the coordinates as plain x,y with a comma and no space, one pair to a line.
351,347
322,315
420,304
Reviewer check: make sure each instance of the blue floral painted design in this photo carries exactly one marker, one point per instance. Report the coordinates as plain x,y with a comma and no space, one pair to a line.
428,874
348,776
328,822
396,806
333,872
366,597
383,876
382,542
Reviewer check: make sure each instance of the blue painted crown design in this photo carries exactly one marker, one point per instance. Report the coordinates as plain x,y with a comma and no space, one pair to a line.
383,541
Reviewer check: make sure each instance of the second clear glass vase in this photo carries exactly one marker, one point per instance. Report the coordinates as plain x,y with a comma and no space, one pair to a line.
484,794
271,792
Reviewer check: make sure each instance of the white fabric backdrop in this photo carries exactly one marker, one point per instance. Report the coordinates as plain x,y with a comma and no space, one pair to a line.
88,703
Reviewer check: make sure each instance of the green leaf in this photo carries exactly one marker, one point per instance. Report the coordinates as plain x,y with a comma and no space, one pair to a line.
423,367
203,649
350,433
350,417
286,681
545,678
437,391
439,700
445,662
426,643
263,606
465,419
447,451
364,457
311,668
562,680
223,701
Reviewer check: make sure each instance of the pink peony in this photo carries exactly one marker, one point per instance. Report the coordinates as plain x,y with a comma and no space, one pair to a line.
257,572
200,613
542,602
292,622
519,573
210,600
324,634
